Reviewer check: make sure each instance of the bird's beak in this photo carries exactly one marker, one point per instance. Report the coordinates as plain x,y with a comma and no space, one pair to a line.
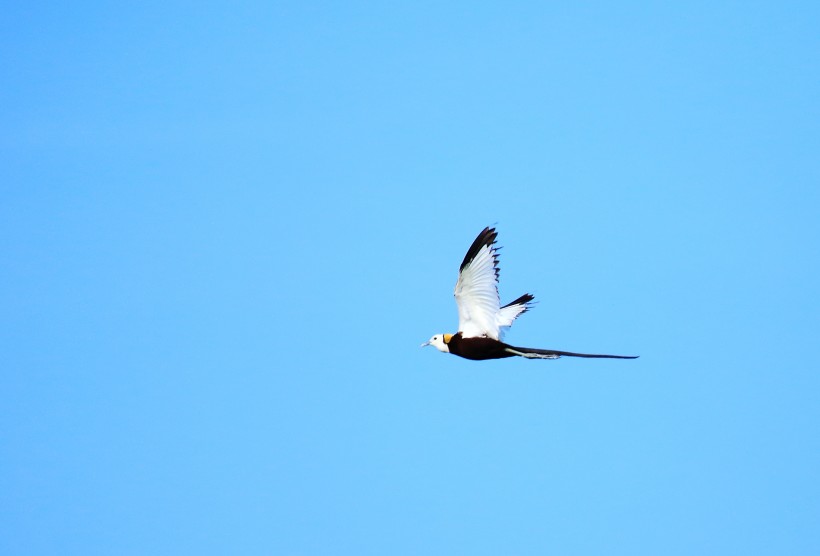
425,344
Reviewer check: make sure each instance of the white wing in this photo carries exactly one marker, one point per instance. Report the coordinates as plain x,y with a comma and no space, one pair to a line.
510,311
479,308
477,288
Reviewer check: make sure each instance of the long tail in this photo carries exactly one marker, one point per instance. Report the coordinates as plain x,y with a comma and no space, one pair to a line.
533,353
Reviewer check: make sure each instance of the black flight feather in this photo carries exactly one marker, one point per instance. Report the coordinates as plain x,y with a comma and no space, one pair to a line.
487,238
525,300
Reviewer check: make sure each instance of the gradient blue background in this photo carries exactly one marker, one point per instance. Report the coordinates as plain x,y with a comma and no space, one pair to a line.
226,229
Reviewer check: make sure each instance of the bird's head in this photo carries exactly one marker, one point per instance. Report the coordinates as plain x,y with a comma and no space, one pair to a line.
439,341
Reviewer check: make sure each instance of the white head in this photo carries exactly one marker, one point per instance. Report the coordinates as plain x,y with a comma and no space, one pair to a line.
439,341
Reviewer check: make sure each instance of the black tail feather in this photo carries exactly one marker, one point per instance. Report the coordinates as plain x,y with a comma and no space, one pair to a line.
556,353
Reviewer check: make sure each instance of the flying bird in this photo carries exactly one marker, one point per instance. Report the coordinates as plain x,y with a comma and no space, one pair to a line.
481,318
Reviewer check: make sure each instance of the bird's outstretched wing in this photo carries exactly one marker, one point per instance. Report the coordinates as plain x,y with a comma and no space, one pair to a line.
509,312
477,288
479,308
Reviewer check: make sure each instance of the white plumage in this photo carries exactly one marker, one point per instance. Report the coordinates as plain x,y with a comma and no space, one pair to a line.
482,319
479,307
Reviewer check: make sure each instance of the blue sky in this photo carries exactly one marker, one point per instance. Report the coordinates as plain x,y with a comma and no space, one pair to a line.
226,229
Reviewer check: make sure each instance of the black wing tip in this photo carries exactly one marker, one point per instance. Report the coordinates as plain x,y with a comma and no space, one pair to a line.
525,299
487,238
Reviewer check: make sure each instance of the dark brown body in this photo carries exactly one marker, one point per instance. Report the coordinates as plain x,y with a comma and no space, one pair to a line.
477,348
482,348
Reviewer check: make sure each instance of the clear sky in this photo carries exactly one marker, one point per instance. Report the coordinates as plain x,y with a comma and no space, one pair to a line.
226,229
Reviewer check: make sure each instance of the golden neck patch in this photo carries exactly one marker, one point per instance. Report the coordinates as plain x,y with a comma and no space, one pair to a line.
447,338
